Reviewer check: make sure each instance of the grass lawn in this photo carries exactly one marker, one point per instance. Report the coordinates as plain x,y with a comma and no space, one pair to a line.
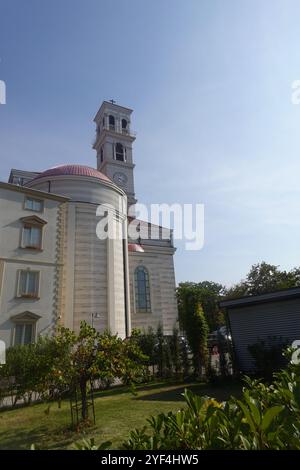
117,413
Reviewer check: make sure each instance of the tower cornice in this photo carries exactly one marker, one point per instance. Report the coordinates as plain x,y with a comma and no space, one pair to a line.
113,107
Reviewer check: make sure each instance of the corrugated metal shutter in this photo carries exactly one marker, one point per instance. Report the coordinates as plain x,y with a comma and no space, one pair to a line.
250,323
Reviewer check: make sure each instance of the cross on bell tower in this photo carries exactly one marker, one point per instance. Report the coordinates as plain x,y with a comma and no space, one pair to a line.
113,145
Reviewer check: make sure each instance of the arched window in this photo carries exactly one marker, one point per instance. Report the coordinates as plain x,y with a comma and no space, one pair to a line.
120,152
124,126
111,121
142,290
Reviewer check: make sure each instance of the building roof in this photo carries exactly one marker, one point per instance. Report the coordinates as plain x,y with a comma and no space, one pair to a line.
72,170
262,298
112,106
32,192
28,175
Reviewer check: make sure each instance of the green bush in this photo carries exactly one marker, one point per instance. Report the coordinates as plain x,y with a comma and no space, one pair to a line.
89,444
266,417
166,356
23,376
267,356
193,322
55,367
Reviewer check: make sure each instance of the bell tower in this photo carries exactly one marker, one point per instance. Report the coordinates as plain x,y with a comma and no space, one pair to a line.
113,145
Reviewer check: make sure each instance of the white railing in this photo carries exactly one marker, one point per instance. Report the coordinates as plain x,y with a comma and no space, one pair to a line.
119,130
115,129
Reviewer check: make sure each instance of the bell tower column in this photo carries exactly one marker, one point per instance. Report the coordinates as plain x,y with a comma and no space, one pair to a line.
113,145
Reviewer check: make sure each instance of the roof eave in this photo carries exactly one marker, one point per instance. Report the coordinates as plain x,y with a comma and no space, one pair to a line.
35,192
293,292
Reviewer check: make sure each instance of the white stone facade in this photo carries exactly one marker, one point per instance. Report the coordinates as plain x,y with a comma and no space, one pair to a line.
42,311
53,267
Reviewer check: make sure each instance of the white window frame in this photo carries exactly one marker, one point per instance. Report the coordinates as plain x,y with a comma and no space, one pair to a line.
137,310
36,200
24,323
21,295
27,225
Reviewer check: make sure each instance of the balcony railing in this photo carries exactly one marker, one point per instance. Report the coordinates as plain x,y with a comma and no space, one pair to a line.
114,129
119,130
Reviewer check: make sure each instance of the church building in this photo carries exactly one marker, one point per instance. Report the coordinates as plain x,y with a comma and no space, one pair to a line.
55,270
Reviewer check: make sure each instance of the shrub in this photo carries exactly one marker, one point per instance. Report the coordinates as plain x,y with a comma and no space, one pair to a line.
57,366
89,444
167,356
193,322
23,375
266,417
267,355
176,353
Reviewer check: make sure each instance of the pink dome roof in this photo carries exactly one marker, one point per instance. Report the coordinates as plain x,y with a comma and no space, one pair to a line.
74,170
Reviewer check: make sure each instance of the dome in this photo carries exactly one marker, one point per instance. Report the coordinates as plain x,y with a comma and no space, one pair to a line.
72,170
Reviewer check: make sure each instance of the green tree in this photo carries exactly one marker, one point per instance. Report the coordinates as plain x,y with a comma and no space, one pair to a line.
147,342
208,295
185,357
90,355
168,353
192,320
263,278
176,352
161,352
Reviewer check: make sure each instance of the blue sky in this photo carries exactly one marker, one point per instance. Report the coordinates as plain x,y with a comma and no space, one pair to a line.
210,85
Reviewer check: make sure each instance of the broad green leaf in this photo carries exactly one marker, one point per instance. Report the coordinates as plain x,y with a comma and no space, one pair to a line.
269,416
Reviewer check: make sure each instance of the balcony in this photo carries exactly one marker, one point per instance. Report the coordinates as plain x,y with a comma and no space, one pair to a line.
114,129
118,130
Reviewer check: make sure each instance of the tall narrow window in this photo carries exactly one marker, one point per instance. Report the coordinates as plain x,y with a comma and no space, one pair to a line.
24,333
32,232
142,290
24,328
124,126
28,284
32,237
111,121
101,154
120,152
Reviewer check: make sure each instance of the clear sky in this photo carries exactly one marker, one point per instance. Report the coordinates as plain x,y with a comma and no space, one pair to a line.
210,85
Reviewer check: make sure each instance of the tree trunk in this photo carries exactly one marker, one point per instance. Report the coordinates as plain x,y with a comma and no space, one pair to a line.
197,364
84,404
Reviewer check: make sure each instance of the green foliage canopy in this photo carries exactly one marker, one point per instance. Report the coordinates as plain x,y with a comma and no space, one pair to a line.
263,278
208,295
